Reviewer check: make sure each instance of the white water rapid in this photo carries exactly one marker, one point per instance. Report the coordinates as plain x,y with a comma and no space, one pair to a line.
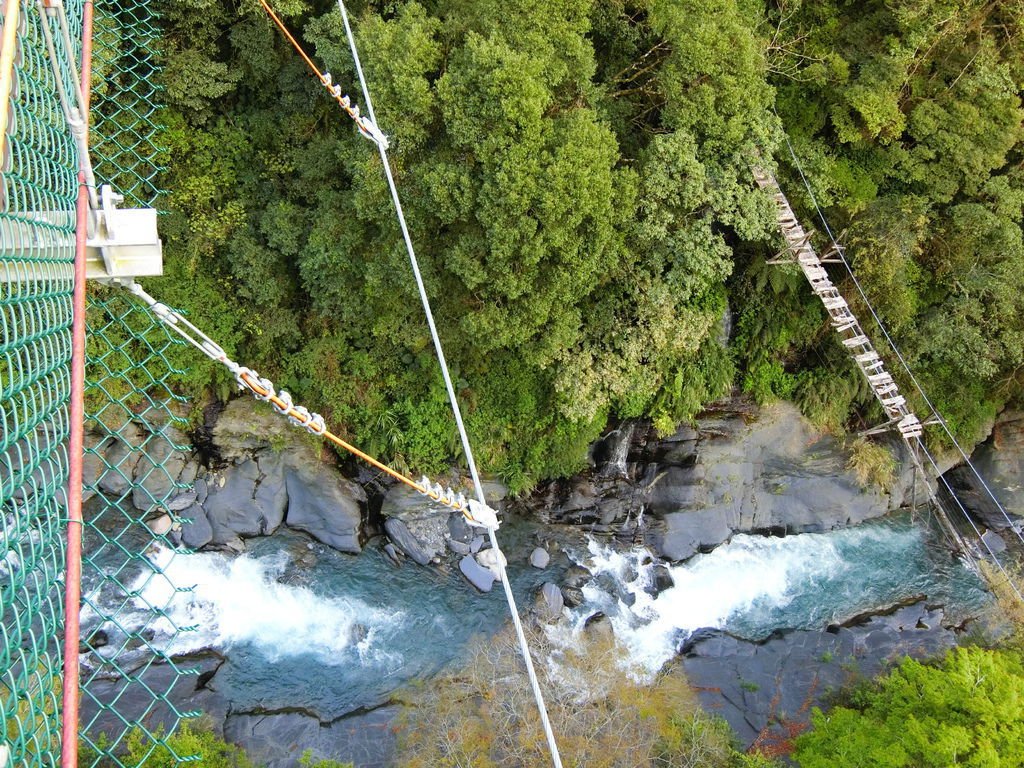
241,600
754,585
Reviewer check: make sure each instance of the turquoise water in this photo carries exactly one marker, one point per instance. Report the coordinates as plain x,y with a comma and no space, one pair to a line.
303,626
755,585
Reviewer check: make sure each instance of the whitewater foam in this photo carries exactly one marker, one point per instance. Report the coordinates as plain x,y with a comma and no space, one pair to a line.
752,582
241,600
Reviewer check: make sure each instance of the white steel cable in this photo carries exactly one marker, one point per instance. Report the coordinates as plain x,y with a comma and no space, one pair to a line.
967,517
456,411
881,326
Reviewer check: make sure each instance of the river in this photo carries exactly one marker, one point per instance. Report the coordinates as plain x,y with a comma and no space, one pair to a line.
303,626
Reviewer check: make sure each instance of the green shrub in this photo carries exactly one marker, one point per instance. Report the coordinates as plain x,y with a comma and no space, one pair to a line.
966,710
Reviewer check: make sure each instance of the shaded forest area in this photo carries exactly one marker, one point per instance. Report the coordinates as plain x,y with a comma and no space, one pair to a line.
576,178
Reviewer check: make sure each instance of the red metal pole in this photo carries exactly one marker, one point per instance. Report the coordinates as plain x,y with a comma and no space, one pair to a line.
73,581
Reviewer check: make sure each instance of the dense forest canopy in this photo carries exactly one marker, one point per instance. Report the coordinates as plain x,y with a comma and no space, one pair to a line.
576,174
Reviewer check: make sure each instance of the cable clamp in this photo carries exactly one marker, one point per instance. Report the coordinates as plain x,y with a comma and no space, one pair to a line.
165,313
286,402
370,130
316,424
300,416
481,515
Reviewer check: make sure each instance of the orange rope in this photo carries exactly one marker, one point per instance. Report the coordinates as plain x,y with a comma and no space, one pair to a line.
342,101
294,42
304,420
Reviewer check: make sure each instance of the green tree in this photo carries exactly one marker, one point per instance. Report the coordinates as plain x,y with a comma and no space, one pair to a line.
967,710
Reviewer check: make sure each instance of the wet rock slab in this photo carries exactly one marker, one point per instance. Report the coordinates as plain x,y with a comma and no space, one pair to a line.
278,739
766,690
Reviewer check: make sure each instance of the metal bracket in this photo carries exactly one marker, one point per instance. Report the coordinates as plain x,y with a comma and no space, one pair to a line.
121,243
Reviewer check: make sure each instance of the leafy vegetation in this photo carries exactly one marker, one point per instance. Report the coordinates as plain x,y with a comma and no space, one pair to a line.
967,710
907,119
576,179
484,715
574,174
187,742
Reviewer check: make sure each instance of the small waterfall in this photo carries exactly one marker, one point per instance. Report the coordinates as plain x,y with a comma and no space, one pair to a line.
619,443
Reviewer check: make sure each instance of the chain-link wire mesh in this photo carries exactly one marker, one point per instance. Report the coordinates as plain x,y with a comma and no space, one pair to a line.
126,89
135,441
136,446
138,451
39,191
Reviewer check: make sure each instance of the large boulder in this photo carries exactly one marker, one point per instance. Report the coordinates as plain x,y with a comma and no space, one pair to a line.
246,499
775,473
1000,462
767,690
121,454
155,475
549,603
416,526
406,541
247,426
324,504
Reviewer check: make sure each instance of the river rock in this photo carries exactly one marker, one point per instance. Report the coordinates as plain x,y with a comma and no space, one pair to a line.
740,468
540,558
576,576
458,529
599,627
160,525
135,699
572,596
490,559
476,574
276,739
993,542
766,690
155,475
775,473
182,500
403,538
660,580
548,604
323,503
247,426
196,531
121,456
246,499
421,528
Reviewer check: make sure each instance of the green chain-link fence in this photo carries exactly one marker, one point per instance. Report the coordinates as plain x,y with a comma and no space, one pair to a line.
39,191
134,436
135,442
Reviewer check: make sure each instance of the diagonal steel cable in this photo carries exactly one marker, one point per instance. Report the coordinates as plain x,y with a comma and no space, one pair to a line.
899,356
456,411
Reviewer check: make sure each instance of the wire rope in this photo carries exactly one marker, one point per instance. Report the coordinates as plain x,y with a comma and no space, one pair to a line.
899,356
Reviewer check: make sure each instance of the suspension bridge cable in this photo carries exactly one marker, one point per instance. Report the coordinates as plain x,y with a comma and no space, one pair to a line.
262,388
456,410
881,326
368,127
967,517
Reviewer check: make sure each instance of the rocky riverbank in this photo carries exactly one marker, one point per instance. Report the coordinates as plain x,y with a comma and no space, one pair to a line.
738,469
